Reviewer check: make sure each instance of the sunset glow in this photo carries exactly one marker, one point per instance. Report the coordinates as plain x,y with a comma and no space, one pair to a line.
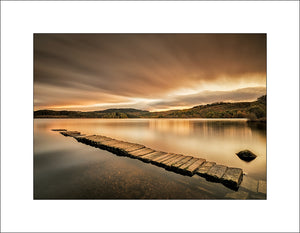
155,72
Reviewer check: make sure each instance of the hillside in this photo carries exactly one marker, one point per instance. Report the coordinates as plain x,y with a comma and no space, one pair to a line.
108,113
255,110
251,110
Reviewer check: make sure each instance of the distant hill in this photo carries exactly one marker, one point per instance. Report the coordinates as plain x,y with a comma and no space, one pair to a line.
108,113
251,110
123,110
255,110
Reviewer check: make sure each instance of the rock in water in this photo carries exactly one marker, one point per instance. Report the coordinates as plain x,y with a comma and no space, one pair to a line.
246,155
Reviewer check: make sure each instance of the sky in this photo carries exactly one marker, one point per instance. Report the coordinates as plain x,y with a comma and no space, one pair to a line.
154,72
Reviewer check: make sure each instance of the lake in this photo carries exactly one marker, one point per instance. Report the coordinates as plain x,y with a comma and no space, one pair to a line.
67,169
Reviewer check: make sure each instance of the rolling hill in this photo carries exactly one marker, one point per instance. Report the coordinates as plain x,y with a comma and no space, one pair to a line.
255,110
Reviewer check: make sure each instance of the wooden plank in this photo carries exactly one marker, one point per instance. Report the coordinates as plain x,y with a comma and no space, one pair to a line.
140,152
70,133
151,156
189,163
111,142
123,145
133,148
181,162
81,136
99,138
116,147
204,168
173,160
155,153
158,159
95,139
130,146
100,143
90,137
167,157
217,171
232,176
192,169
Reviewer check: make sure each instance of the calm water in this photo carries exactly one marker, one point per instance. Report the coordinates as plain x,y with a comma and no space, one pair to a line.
66,169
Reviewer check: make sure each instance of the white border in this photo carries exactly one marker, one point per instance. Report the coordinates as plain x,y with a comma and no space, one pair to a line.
279,20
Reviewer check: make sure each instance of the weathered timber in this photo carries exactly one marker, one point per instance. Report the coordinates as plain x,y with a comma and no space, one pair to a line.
174,159
204,168
179,163
192,168
108,145
158,161
151,156
216,172
121,145
93,140
80,137
111,142
134,148
70,133
116,147
140,152
183,167
101,139
126,148
163,158
189,163
232,177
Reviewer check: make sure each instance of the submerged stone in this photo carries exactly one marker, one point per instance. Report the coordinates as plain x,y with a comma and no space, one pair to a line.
249,183
246,155
262,186
241,195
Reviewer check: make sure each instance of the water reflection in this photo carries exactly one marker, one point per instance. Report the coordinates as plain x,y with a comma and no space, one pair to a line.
215,140
177,127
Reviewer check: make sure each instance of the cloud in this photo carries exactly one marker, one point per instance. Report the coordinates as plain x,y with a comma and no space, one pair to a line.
107,68
205,97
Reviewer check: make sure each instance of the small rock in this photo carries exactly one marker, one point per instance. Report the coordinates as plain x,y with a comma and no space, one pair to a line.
246,155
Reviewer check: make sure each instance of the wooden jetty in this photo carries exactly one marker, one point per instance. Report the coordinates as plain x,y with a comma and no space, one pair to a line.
186,165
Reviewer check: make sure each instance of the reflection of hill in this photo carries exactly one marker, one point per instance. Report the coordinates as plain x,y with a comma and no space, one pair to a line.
257,125
207,128
252,110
